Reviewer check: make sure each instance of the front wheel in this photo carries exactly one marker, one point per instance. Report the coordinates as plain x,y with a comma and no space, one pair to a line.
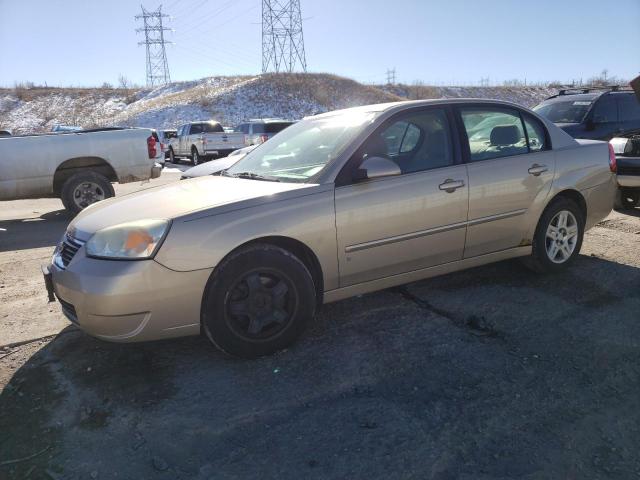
558,237
172,156
258,301
84,188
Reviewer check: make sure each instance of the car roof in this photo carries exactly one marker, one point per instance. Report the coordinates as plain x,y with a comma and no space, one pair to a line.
268,120
393,106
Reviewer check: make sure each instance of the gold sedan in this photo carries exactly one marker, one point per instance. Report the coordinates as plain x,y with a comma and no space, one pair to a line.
337,205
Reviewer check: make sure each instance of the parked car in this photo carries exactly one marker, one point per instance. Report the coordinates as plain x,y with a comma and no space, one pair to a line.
201,141
5,133
77,167
341,204
260,130
627,151
593,113
166,137
216,166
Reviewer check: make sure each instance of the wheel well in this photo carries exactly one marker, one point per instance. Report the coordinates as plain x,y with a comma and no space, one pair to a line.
74,165
576,197
304,253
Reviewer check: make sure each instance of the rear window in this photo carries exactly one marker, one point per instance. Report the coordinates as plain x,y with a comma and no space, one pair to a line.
565,111
276,127
212,128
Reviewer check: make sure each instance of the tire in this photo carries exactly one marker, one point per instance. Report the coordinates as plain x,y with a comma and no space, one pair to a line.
627,199
172,157
84,188
195,156
561,240
258,301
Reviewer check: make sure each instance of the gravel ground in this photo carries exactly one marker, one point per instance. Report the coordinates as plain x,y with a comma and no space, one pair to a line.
491,373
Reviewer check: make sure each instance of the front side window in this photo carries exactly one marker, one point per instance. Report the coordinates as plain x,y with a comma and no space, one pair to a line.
493,133
605,110
416,142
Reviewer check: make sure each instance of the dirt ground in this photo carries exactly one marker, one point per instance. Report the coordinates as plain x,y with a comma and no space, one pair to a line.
491,373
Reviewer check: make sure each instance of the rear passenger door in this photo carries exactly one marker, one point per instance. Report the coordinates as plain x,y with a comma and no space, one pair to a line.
510,167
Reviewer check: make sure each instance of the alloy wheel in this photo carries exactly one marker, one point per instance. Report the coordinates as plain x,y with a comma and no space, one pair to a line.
562,236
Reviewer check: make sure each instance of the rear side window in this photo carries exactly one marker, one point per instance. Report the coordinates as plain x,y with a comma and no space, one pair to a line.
493,133
536,134
195,128
416,142
243,128
628,108
605,110
211,128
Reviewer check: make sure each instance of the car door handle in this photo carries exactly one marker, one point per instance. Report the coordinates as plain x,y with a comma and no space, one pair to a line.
537,170
450,185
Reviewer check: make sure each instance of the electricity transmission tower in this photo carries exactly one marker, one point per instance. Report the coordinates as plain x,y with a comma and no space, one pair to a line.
282,39
391,76
157,66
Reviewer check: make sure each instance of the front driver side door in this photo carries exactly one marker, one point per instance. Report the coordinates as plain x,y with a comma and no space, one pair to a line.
415,220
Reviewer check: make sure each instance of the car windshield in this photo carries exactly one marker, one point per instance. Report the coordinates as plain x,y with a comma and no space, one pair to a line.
568,111
302,150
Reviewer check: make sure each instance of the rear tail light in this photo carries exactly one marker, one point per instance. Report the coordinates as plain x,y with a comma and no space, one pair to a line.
264,138
151,147
613,164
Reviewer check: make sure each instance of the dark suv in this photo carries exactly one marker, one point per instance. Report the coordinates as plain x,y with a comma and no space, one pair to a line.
594,113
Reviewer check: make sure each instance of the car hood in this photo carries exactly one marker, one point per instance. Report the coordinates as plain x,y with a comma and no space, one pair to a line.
177,199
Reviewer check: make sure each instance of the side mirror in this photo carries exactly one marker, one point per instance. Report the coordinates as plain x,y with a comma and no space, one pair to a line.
376,167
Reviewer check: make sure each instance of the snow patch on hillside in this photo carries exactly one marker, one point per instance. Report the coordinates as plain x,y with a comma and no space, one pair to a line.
229,100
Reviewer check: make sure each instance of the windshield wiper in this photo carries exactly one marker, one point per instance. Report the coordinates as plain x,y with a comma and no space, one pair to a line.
253,176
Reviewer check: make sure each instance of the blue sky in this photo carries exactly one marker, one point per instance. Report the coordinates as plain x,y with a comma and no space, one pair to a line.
88,42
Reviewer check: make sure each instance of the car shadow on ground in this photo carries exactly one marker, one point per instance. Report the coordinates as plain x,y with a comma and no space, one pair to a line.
493,372
35,232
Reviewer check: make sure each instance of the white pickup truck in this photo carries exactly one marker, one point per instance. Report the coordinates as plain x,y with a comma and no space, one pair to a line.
200,141
77,167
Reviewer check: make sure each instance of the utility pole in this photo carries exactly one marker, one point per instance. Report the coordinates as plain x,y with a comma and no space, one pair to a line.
282,37
157,66
391,76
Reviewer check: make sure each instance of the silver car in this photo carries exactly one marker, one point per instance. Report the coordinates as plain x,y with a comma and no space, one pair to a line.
337,205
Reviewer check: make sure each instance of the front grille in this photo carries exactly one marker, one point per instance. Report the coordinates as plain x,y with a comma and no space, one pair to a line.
68,310
68,249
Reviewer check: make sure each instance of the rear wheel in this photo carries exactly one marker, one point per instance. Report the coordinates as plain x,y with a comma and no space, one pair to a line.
195,156
172,157
258,301
84,188
558,237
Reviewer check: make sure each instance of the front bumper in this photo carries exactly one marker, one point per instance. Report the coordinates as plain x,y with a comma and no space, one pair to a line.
129,301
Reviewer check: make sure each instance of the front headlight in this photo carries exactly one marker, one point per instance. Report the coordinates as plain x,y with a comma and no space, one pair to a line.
135,240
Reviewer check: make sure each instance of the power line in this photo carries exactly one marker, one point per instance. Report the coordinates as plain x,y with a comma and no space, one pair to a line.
157,66
282,38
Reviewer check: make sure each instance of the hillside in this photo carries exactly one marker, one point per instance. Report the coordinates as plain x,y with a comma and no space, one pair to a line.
227,99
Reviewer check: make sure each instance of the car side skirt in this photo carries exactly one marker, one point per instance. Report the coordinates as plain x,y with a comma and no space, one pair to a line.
395,280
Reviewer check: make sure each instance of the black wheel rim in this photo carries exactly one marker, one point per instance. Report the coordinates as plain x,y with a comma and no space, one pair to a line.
260,305
87,193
